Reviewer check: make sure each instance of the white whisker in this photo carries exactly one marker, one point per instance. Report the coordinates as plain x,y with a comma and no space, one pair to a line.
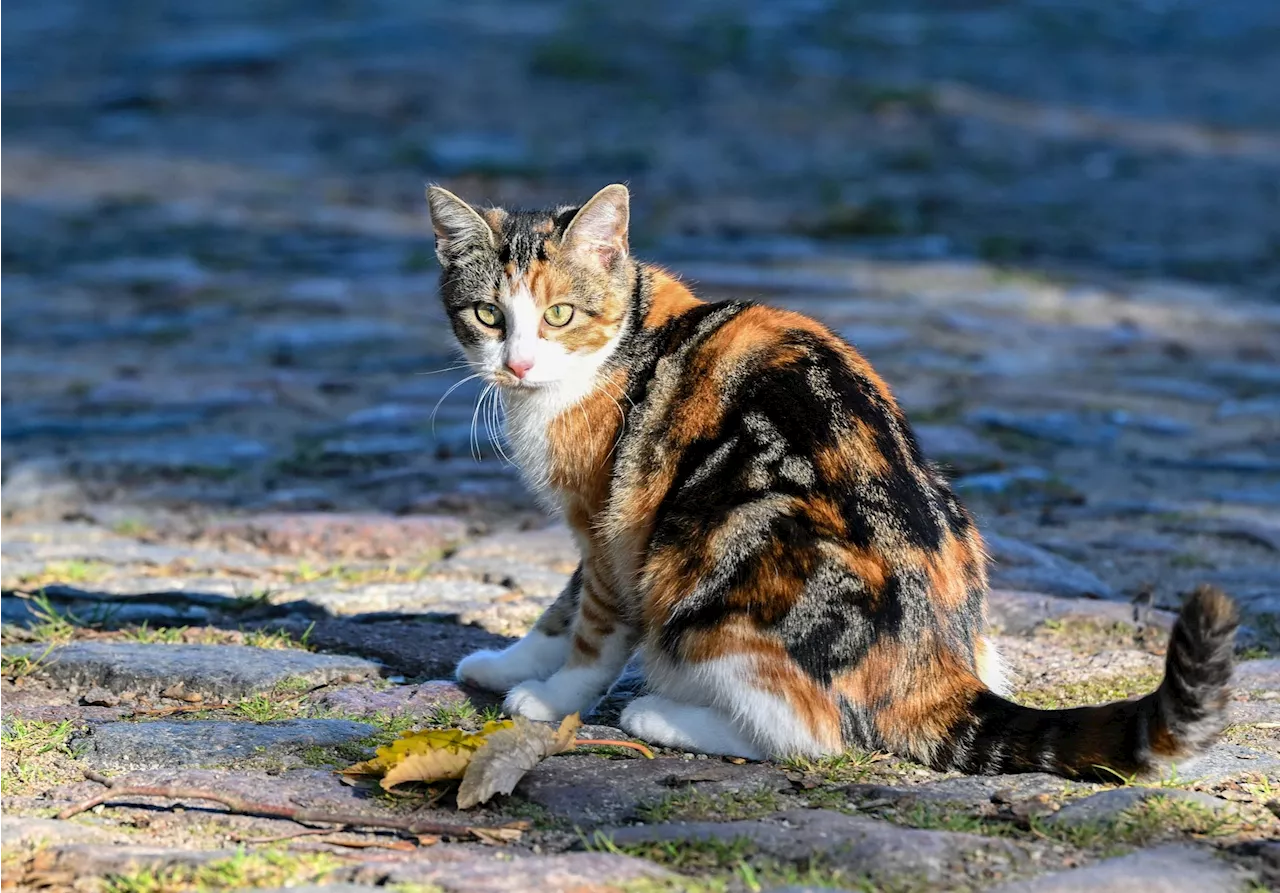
453,388
475,414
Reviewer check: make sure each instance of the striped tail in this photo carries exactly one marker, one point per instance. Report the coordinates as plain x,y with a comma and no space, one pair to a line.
1178,720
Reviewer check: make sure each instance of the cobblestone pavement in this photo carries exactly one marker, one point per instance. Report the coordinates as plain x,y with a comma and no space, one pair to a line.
248,533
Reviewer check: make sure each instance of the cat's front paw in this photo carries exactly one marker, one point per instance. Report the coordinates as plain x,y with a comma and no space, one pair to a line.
544,701
535,701
490,670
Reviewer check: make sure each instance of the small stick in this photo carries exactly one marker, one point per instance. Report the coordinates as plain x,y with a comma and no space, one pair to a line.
239,806
608,742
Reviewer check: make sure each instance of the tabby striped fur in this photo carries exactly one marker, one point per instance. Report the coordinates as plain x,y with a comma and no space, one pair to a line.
757,522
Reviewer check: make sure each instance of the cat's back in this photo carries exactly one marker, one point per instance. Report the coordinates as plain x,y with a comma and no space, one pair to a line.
755,425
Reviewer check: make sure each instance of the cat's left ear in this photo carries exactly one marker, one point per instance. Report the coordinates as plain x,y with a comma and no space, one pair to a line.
597,234
458,227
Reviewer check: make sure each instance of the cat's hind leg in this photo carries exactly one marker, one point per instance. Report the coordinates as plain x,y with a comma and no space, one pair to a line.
538,655
753,704
669,723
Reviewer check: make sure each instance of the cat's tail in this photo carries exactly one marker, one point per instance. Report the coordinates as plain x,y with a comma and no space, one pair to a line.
1136,737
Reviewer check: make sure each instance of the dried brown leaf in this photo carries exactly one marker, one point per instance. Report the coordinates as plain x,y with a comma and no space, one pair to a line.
509,754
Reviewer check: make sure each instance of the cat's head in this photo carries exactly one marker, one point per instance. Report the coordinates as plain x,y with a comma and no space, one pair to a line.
537,299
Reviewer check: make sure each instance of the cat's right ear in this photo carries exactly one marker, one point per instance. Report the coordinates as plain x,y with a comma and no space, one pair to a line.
459,228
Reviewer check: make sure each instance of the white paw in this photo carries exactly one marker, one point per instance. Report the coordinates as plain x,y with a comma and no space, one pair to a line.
639,721
539,701
686,727
490,670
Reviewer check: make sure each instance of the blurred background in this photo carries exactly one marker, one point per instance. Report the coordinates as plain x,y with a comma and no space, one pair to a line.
1054,226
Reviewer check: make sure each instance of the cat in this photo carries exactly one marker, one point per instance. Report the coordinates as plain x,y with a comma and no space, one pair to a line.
757,522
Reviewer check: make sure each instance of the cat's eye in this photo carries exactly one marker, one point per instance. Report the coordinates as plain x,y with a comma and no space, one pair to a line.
489,314
558,315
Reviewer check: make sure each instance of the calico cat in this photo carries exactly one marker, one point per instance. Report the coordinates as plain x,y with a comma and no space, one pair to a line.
757,521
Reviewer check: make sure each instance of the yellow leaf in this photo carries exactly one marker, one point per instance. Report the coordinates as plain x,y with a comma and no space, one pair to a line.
426,743
431,765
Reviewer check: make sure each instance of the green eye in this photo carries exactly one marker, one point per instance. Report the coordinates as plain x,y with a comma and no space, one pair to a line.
489,314
558,315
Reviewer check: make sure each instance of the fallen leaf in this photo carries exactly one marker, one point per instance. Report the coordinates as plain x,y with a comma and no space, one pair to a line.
430,765
453,742
509,754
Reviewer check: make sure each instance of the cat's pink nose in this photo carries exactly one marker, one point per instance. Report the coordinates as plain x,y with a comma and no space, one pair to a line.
519,368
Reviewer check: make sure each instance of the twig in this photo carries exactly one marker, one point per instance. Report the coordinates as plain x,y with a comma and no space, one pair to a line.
190,708
240,806
608,742
290,836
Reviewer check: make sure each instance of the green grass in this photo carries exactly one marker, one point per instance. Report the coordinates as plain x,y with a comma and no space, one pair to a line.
1155,819
246,869
18,666
850,767
1091,691
33,751
130,527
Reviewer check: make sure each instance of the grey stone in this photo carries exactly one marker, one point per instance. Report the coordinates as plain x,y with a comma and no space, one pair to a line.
1241,462
343,535
859,845
1257,674
532,579
1262,494
1179,388
592,790
1258,527
21,832
1166,869
87,860
1000,481
314,336
948,441
413,647
1061,428
37,483
462,152
416,700
150,745
1268,407
1020,565
374,446
310,787
215,671
469,872
1016,612
172,272
976,790
1223,761
232,50
551,547
872,338
390,417
210,452
1106,806
439,598
23,427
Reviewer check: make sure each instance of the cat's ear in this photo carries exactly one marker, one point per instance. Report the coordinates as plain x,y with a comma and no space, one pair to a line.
597,234
459,228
